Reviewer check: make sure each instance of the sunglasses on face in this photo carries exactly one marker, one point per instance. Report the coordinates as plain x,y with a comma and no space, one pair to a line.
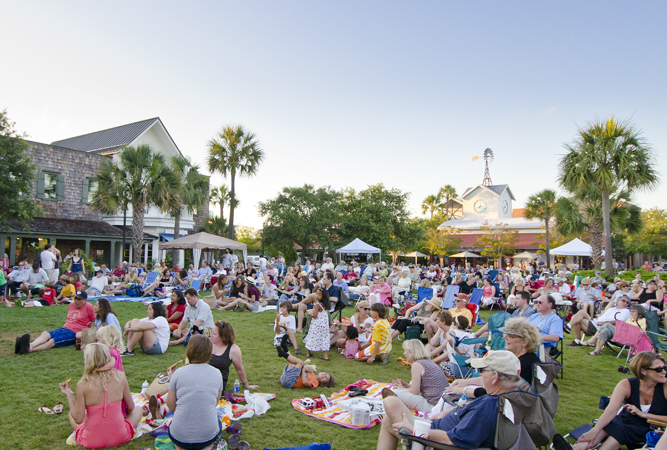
658,369
366,309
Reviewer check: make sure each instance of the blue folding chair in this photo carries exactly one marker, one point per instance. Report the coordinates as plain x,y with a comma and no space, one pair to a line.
450,294
424,294
476,296
151,277
196,285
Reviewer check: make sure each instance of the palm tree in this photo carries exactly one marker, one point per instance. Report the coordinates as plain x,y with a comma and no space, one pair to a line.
583,213
445,194
430,204
608,156
142,178
220,196
192,191
234,152
542,206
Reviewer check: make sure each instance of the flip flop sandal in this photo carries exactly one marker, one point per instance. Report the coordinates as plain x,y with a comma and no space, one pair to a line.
153,407
324,359
244,445
234,428
233,441
163,380
58,408
45,409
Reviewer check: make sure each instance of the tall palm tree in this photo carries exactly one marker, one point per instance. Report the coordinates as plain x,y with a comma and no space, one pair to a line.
235,152
609,156
445,194
145,179
191,193
430,204
220,196
583,213
542,206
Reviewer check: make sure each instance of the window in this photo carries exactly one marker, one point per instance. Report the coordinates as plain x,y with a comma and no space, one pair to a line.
50,186
89,190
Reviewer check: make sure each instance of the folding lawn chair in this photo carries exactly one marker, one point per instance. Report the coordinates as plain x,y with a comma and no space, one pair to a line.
654,332
476,296
511,432
497,321
632,337
424,294
196,285
450,294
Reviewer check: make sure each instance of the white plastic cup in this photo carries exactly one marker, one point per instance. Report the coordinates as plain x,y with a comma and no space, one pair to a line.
421,428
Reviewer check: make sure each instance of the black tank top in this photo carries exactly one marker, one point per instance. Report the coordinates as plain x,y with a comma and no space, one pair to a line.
658,403
222,363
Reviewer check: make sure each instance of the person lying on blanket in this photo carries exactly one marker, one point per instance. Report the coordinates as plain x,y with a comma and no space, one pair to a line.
470,427
298,373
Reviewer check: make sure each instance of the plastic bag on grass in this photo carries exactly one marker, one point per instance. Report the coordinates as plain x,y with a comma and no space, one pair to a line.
256,403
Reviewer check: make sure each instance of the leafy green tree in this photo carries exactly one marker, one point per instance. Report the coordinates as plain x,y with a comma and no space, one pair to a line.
214,225
542,206
442,242
220,196
301,215
18,175
235,152
377,216
145,178
652,238
582,214
497,240
609,156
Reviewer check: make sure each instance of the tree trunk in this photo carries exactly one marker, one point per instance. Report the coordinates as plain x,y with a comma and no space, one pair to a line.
609,254
232,196
546,226
596,244
122,252
175,255
138,211
222,207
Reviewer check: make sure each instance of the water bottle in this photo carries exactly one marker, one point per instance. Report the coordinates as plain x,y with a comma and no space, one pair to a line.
144,386
237,387
462,400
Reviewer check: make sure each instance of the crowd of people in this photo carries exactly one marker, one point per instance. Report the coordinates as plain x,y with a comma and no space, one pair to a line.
306,296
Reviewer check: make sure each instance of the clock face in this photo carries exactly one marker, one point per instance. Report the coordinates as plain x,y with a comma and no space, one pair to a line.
505,206
480,206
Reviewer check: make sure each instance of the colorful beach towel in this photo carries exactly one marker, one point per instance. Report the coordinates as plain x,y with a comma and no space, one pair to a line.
128,299
338,412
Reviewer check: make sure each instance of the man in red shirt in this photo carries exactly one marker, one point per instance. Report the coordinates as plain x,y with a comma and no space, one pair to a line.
80,315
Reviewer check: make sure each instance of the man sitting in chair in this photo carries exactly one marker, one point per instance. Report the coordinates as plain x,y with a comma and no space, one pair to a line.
550,325
472,426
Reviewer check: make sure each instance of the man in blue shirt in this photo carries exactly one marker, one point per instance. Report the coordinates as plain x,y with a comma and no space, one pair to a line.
204,271
550,325
472,426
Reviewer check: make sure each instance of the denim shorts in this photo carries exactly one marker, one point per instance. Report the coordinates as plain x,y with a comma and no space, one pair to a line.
154,350
63,337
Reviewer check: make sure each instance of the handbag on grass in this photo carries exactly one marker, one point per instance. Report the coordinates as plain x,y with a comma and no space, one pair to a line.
88,336
160,385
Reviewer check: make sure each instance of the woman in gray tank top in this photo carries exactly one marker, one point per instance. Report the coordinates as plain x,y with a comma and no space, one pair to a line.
428,379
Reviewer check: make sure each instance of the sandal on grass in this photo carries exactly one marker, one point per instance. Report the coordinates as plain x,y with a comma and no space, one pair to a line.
595,353
58,408
45,409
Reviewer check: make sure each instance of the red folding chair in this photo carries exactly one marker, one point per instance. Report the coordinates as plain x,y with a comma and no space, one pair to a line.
632,337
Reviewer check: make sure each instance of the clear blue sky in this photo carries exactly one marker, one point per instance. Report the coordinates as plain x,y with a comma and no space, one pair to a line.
345,93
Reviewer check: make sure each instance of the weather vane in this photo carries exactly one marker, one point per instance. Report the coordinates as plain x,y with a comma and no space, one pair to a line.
488,156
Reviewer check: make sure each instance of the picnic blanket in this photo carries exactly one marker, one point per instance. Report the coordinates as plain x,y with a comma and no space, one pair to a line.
128,299
337,412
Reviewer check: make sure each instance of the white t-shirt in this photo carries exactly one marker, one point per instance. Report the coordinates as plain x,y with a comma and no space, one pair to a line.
269,291
363,337
161,331
98,283
262,264
48,260
465,349
289,322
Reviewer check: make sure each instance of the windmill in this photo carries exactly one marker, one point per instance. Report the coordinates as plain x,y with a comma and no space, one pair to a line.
488,156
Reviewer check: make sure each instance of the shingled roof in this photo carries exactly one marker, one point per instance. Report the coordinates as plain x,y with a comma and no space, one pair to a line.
53,226
109,140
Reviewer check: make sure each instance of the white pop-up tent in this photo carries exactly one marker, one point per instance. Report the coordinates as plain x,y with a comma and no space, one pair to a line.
358,246
575,247
204,241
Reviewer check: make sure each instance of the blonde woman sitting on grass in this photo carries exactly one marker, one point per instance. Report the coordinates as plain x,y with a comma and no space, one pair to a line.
96,413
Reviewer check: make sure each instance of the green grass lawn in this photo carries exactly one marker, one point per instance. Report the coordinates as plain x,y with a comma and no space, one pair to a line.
32,380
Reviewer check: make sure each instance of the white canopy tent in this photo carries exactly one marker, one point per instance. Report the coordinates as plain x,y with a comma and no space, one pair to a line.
358,246
575,247
204,241
525,255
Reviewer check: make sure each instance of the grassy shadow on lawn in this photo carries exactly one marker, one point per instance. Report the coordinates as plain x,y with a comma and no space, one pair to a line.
32,380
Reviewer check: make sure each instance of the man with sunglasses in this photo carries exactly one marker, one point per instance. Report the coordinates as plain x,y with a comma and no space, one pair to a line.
550,325
582,321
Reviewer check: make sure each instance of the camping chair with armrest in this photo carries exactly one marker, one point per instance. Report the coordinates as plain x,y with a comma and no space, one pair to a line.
424,294
631,337
497,321
544,374
511,432
497,299
196,285
450,294
474,309
151,277
654,332
339,306
476,296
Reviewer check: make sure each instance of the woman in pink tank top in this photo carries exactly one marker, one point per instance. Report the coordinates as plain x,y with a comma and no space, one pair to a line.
96,414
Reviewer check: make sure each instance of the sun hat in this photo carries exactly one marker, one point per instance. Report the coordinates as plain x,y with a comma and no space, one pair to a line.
501,361
434,303
250,280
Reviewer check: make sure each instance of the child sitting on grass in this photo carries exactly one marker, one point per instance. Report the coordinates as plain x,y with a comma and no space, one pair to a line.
351,342
47,295
298,374
67,292
381,338
286,325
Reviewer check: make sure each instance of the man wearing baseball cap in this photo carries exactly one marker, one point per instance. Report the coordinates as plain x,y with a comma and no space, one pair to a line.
80,315
472,426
